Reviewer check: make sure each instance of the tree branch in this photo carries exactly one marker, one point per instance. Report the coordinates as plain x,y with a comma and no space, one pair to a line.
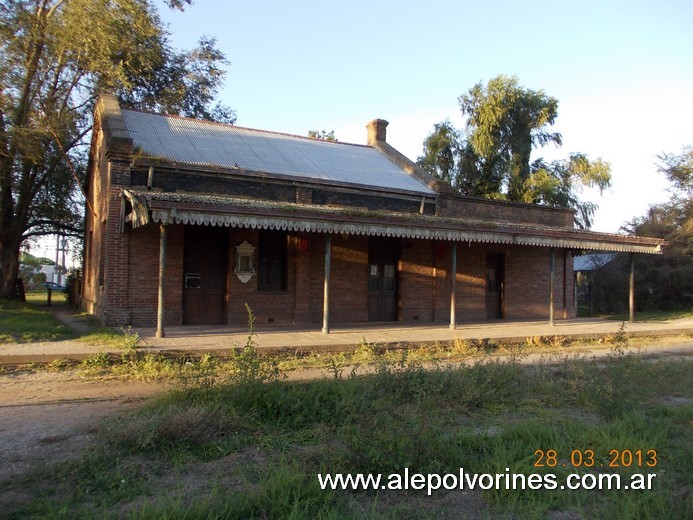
55,225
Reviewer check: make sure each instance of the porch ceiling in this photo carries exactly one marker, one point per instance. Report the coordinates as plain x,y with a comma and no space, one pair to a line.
218,210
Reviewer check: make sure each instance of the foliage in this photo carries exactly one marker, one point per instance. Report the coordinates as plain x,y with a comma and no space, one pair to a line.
254,450
32,277
56,56
441,149
30,271
322,135
72,286
29,259
248,365
492,156
27,323
662,282
678,169
672,220
507,120
124,339
559,183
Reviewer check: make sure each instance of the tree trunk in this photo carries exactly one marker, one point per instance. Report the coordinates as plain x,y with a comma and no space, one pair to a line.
9,265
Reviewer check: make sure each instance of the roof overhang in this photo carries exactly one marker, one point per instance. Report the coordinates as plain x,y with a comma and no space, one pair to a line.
195,209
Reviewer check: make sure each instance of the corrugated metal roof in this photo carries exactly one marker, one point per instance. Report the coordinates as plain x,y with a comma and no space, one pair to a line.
201,143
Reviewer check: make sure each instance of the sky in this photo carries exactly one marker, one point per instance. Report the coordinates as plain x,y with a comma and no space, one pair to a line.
622,72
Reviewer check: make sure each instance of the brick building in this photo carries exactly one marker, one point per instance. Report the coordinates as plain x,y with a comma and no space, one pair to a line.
189,220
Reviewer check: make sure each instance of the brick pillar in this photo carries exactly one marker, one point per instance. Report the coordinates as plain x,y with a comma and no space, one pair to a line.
117,251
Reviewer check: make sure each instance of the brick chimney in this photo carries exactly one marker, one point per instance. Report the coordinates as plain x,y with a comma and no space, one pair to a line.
377,131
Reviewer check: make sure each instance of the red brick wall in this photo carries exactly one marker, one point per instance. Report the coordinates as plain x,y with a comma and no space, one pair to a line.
424,281
348,279
115,293
302,276
503,211
416,282
441,281
268,307
143,280
527,283
470,297
303,300
94,245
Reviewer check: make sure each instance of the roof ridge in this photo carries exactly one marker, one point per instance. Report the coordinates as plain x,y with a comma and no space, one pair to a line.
230,125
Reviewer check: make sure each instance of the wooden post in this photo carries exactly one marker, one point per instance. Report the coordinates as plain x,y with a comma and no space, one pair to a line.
631,290
453,285
162,277
552,283
326,293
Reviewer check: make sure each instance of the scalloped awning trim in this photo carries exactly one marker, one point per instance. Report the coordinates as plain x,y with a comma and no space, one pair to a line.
307,225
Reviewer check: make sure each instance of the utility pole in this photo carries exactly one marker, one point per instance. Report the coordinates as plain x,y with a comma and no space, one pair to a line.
63,267
60,247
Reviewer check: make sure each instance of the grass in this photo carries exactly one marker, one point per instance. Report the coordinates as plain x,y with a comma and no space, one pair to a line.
124,339
40,298
136,365
33,322
253,445
238,441
655,315
584,312
21,322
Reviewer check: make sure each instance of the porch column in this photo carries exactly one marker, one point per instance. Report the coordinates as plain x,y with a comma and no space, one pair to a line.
631,290
326,294
162,276
453,285
552,284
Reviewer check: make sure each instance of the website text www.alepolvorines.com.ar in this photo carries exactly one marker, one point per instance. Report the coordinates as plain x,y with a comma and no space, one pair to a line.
432,482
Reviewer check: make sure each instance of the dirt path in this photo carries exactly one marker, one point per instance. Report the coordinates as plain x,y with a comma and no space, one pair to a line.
52,416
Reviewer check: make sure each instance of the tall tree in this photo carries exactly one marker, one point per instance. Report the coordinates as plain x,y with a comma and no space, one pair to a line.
491,157
441,152
506,119
55,57
664,282
673,219
448,156
678,169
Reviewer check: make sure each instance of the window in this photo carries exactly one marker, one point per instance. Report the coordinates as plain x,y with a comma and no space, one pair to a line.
272,261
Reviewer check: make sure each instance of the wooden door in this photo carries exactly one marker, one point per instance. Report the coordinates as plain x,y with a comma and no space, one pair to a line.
383,257
204,277
495,282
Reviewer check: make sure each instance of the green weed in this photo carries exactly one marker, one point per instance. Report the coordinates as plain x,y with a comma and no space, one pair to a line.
247,364
105,337
253,448
98,362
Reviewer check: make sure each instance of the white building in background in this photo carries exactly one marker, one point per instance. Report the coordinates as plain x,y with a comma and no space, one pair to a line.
49,271
58,249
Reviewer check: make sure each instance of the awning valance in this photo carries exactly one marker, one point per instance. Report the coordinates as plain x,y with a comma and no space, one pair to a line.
165,209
